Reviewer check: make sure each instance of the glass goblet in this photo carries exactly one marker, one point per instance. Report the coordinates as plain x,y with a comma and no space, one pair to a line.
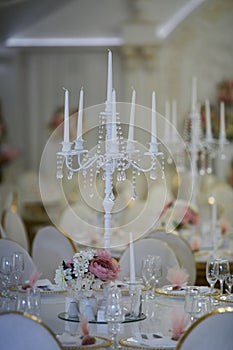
211,273
6,271
229,282
223,272
18,268
191,304
114,314
147,274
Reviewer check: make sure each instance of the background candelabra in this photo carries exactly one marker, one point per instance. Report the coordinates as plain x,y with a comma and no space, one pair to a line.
113,155
200,148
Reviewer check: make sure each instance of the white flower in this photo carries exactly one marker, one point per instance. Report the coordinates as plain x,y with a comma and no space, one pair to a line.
81,262
60,278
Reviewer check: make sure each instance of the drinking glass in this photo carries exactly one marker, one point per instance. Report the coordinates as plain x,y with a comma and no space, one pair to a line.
114,314
147,273
229,282
18,268
157,269
223,272
6,270
211,273
191,304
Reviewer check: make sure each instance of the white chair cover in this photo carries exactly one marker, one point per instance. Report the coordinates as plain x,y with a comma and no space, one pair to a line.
145,247
211,331
23,331
182,250
49,248
14,228
8,247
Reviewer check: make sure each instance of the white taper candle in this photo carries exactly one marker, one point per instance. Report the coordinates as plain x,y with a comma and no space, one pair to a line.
80,116
109,78
167,121
222,131
194,94
132,261
174,120
153,119
66,117
209,136
132,117
114,130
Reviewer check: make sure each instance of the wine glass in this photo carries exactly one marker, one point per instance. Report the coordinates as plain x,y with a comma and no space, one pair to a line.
157,269
191,304
17,267
211,273
147,273
114,314
223,272
229,282
6,270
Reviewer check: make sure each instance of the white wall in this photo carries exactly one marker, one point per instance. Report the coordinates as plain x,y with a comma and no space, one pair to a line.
31,81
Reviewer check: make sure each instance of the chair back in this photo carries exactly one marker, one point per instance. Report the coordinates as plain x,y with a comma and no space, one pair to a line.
50,247
211,331
145,247
181,248
13,224
8,247
23,331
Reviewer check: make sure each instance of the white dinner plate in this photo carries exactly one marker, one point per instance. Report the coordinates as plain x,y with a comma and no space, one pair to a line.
170,291
74,342
156,342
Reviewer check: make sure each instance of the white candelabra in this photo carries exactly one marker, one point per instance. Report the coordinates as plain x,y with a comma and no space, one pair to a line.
113,153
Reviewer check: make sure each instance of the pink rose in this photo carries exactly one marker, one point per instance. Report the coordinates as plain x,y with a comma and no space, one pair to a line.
104,266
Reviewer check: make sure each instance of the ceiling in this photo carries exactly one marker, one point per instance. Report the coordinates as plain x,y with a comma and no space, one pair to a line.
36,21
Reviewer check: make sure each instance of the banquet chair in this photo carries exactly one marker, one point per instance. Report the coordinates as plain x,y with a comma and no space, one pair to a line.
181,248
211,331
13,224
49,248
8,247
144,247
23,331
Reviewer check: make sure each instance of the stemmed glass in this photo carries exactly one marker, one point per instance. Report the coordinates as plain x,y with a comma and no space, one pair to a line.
114,314
6,270
147,273
229,282
191,304
17,268
223,272
211,273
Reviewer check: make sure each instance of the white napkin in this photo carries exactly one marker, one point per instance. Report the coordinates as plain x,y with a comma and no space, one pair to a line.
155,340
68,339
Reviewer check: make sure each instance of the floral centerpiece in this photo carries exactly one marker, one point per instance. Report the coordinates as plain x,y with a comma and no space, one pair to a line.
87,270
180,213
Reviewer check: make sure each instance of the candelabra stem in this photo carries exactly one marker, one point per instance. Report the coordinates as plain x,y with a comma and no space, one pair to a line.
108,204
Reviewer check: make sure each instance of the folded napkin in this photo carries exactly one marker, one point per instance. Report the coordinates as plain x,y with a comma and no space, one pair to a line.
177,276
67,339
154,340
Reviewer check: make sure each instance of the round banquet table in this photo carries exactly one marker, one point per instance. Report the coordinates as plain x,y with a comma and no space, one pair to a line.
158,318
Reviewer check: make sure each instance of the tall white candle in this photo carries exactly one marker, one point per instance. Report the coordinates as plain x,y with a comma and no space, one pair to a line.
174,120
213,204
80,116
114,130
194,94
66,117
153,119
167,121
222,131
209,136
132,261
132,117
109,78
